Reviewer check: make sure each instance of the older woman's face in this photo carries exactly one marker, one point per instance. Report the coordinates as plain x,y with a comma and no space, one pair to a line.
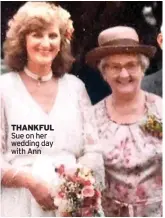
123,73
43,45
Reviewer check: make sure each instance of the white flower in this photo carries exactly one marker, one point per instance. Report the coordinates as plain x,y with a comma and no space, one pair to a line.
57,201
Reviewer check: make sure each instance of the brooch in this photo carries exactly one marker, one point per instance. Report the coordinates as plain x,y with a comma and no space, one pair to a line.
152,125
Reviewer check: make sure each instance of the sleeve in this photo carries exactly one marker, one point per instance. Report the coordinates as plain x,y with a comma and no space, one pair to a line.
91,156
156,104
84,100
159,106
3,139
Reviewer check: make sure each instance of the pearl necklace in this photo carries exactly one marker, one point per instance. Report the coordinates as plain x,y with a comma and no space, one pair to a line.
37,77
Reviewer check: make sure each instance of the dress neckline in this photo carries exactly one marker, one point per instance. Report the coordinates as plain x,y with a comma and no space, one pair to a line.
34,102
109,118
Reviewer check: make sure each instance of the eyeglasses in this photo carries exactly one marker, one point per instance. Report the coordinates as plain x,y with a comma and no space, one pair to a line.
131,67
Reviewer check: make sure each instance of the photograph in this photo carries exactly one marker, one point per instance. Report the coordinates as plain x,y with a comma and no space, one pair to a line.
81,109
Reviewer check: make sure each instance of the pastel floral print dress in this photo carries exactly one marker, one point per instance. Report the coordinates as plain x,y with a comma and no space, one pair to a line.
133,163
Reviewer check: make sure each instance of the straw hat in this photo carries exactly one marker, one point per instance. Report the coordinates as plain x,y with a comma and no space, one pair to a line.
116,40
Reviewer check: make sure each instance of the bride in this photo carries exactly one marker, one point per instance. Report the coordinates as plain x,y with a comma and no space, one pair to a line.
38,91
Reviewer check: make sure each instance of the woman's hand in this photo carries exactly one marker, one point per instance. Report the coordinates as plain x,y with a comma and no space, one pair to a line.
40,192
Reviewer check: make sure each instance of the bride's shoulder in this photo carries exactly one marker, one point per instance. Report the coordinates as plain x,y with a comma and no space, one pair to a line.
97,111
100,105
72,80
7,76
7,80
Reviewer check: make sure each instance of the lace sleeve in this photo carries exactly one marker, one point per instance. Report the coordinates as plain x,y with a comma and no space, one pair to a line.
92,152
3,139
155,104
84,100
159,106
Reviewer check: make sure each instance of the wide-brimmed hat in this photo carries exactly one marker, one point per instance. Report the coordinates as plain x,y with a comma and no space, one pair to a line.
117,40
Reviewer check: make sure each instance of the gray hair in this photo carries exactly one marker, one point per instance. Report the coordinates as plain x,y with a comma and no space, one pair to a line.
145,62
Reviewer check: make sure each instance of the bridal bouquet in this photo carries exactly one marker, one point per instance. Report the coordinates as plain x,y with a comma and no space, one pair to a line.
77,195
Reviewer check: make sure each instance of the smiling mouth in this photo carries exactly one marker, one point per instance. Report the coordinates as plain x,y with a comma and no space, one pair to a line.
125,83
44,52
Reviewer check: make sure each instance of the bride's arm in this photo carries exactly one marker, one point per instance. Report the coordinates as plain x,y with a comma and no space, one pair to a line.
91,156
10,177
15,178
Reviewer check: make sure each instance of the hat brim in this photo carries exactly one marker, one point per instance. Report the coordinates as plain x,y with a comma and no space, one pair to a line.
95,55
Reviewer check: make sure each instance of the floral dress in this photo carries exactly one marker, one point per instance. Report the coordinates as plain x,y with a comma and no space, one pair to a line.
133,163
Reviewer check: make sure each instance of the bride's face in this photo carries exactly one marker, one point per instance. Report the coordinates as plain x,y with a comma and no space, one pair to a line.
43,45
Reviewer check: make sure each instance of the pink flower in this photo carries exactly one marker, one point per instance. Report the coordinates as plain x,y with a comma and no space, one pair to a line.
97,194
60,170
88,191
80,180
127,161
86,212
87,183
65,214
140,192
61,194
158,180
122,191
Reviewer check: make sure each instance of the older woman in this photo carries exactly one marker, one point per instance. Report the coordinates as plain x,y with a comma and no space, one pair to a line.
42,108
129,125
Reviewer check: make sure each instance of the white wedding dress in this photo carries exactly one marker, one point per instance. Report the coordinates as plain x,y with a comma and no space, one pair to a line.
66,118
